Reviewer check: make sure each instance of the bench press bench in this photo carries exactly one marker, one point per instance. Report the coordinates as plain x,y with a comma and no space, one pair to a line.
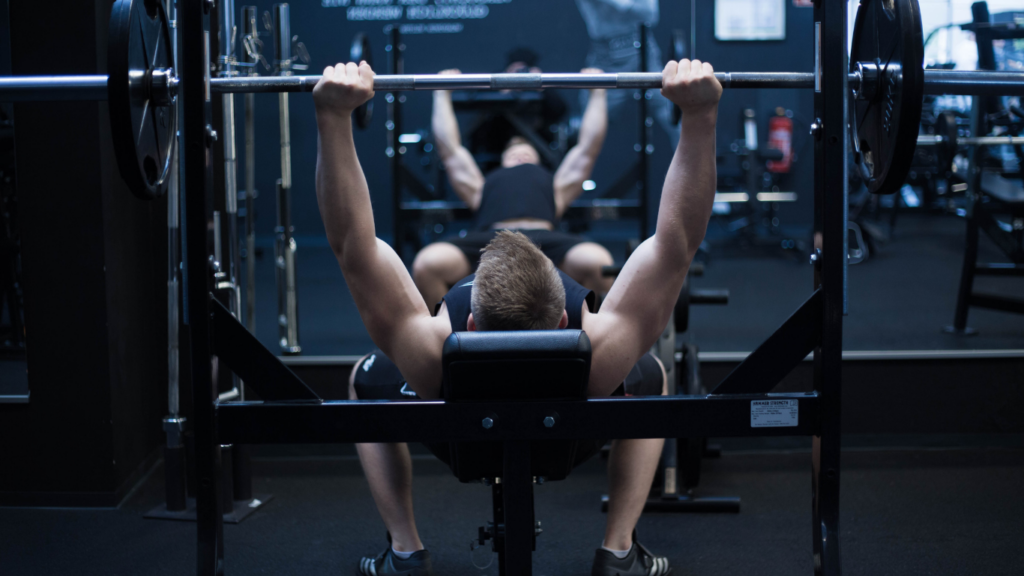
515,413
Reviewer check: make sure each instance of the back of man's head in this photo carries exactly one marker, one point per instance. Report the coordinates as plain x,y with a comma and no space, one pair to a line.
516,286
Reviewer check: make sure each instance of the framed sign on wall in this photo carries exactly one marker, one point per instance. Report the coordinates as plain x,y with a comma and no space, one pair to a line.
750,19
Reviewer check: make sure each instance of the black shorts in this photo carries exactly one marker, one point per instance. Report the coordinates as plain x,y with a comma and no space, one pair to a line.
377,378
555,245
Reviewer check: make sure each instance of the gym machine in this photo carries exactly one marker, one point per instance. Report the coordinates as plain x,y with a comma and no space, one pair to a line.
884,105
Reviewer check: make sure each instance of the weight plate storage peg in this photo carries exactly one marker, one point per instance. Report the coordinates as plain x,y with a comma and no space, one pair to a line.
141,94
888,53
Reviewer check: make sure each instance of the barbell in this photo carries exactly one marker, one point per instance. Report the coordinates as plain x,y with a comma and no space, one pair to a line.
162,86
887,83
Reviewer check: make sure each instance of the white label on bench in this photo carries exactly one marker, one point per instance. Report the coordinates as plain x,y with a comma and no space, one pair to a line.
774,413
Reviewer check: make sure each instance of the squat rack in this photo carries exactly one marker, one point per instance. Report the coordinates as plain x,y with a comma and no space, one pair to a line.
297,415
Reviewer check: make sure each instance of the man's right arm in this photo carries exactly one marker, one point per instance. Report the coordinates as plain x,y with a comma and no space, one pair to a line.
389,303
640,302
463,173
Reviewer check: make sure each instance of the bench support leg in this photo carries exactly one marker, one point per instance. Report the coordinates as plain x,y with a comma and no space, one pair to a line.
517,489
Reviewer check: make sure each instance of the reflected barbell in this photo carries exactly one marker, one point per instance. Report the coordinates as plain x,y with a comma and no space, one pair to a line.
938,140
161,85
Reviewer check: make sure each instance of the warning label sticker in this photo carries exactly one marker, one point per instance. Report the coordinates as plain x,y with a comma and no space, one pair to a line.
774,413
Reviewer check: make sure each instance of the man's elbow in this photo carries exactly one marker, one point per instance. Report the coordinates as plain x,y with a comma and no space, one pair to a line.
673,247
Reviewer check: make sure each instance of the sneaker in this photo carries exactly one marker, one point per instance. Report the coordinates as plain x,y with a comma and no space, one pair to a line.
639,562
387,563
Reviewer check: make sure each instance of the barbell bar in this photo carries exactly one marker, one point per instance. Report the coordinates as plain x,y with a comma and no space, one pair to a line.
937,139
161,85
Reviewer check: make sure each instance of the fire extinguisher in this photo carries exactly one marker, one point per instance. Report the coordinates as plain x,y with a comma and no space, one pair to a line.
780,137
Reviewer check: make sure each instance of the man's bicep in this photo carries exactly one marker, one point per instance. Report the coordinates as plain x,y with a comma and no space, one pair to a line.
416,350
645,292
383,291
465,176
616,346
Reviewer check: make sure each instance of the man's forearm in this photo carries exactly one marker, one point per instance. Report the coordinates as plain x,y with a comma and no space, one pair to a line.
690,184
342,193
444,125
594,125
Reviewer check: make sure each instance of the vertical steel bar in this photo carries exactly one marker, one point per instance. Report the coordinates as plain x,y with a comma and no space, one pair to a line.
642,179
173,260
249,30
227,33
173,424
396,65
194,73
963,298
288,304
517,485
831,107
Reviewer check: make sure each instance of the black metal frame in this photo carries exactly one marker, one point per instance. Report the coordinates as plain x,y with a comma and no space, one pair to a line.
312,420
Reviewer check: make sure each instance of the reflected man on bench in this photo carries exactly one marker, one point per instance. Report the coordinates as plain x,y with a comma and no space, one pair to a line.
519,195
516,288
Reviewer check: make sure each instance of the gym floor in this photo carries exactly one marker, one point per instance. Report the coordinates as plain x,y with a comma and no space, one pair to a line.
904,511
899,299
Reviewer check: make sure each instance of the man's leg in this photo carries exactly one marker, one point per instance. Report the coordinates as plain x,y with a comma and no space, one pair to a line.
632,465
436,268
583,263
388,469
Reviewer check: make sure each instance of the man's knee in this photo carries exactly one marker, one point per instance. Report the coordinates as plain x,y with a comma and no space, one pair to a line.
590,255
440,260
352,395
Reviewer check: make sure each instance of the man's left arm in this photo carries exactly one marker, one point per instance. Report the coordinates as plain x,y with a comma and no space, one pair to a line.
640,302
580,160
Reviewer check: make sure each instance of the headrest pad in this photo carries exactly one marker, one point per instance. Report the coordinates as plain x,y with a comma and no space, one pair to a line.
516,365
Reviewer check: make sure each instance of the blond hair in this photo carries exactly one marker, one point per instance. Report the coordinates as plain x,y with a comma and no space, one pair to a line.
516,286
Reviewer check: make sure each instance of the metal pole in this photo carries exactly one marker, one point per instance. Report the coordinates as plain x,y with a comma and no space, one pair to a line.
285,247
57,88
249,30
173,423
226,60
831,157
935,139
194,63
642,95
394,127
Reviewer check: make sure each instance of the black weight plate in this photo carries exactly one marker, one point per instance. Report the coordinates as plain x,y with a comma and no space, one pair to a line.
361,50
945,151
144,133
888,34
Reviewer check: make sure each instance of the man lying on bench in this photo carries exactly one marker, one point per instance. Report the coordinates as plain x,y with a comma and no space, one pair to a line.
516,288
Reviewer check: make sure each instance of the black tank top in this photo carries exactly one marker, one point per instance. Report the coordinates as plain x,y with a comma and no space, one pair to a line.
524,191
459,307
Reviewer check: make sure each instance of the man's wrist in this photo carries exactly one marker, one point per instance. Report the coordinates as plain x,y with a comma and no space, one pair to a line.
333,118
700,118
